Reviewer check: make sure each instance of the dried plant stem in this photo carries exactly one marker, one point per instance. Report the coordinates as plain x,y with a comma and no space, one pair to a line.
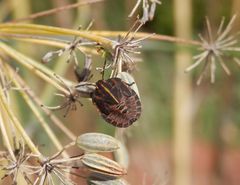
64,148
182,98
57,122
119,67
35,29
45,41
151,36
35,67
25,61
8,132
18,125
6,137
4,10
20,84
51,116
97,36
56,10
60,45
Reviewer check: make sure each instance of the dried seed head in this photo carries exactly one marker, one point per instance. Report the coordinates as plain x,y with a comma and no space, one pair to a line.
96,142
69,50
103,165
125,49
18,166
149,8
216,49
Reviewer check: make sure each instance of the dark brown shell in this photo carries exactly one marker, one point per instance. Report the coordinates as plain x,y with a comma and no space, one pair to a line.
117,102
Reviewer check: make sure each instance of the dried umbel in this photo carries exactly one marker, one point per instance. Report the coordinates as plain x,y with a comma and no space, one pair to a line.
117,102
216,48
148,8
71,98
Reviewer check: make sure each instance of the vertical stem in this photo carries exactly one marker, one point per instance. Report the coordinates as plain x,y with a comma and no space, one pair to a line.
20,8
119,65
182,97
236,9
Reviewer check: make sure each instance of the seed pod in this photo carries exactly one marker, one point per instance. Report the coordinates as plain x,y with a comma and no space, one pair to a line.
117,102
96,142
103,165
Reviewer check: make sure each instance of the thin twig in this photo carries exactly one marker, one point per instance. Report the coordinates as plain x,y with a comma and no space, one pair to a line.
55,10
144,34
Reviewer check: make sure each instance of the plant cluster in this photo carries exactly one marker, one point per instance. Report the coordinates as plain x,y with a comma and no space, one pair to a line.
116,96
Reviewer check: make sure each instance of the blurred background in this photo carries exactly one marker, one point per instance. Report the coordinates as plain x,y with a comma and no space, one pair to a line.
187,134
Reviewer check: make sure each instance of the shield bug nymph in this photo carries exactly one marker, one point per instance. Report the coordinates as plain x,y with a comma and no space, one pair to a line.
117,102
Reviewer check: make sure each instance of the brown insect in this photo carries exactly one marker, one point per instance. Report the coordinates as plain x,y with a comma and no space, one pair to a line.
117,102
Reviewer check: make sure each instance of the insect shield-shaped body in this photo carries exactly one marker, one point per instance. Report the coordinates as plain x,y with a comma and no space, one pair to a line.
117,102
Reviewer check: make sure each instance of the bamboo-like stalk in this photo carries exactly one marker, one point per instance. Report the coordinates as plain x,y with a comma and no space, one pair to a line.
182,98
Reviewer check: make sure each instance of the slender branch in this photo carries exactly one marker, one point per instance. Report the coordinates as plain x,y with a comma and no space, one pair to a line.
55,10
144,34
97,36
47,41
